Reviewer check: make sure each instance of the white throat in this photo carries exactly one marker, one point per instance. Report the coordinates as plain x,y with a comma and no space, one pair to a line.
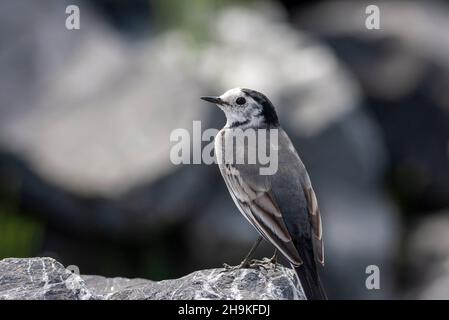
239,121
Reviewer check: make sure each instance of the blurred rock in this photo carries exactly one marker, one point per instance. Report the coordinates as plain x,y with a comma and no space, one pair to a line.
101,109
85,129
428,255
404,73
47,279
90,118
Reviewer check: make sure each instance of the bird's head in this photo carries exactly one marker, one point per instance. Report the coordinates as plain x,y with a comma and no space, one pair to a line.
245,108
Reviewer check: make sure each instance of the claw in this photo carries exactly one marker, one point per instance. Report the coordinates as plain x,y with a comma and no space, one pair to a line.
264,263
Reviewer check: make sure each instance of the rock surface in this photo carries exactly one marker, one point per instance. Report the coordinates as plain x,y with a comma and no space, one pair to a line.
47,279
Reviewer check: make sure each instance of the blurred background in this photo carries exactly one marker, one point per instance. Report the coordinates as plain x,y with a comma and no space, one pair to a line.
86,116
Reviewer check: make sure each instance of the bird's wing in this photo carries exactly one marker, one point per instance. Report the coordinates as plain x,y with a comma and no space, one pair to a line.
253,196
315,220
297,200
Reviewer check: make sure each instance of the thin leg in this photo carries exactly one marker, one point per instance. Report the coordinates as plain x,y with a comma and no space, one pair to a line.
253,248
245,262
274,258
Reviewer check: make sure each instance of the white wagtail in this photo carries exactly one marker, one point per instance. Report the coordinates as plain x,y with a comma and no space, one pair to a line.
282,207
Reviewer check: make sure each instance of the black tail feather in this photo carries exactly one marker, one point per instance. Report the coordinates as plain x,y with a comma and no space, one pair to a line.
310,283
307,272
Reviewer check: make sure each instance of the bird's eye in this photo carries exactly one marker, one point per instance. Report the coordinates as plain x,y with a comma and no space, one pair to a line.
240,100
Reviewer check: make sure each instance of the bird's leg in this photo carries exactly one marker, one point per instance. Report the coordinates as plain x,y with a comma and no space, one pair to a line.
265,262
245,263
274,258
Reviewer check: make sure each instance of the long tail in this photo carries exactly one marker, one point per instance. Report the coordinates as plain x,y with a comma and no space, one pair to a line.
307,273
310,282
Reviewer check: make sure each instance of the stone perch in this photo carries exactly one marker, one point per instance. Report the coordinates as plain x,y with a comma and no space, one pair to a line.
47,279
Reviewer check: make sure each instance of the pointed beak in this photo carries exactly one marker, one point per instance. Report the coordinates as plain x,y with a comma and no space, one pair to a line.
215,100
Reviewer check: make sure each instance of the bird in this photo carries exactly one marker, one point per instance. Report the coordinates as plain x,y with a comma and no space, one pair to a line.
282,206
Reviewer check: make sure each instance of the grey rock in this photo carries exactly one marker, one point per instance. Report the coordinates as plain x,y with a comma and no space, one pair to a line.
47,279
79,145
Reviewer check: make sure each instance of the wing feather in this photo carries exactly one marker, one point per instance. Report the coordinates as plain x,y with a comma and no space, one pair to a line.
315,219
261,210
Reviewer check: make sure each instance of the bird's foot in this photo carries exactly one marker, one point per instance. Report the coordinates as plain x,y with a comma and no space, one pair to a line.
265,263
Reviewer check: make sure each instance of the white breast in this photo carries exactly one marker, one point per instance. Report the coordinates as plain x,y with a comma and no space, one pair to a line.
234,146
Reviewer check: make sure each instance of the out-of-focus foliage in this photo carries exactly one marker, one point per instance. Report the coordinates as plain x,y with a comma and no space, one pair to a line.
20,234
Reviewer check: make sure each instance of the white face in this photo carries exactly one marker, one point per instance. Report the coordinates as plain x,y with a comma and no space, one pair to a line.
240,108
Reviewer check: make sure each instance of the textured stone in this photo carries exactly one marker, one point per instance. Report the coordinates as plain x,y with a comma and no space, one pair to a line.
47,279
40,279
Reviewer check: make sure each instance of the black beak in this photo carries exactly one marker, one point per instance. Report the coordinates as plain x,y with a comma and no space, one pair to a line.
215,100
